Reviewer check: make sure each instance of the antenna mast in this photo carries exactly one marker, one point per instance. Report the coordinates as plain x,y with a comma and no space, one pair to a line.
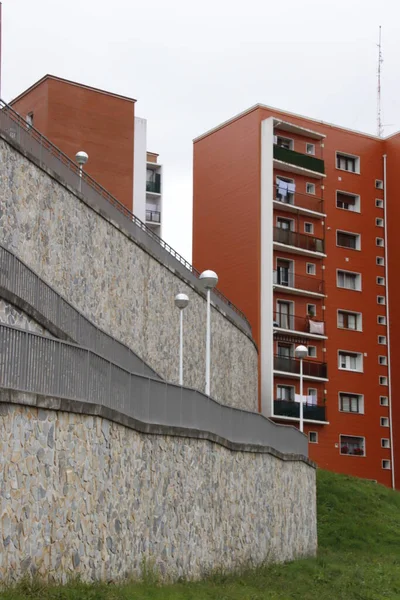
379,109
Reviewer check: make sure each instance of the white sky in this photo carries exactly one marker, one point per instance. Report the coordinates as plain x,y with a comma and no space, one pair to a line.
192,65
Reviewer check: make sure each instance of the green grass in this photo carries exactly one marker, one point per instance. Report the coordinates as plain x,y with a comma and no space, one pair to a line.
358,559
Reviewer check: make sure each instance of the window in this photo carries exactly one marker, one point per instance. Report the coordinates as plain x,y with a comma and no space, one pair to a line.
347,162
383,380
348,240
381,320
284,142
29,119
382,360
350,361
348,280
348,201
310,188
382,339
309,227
386,464
379,184
352,445
349,320
384,422
383,400
312,351
287,224
310,268
380,242
285,393
380,280
314,393
311,310
285,190
379,222
380,261
284,314
381,299
379,203
353,403
285,350
385,443
313,437
310,149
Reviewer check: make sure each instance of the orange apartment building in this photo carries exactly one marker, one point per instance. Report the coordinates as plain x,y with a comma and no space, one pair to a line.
77,117
299,220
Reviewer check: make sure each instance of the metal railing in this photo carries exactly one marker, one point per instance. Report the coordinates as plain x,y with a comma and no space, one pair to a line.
153,216
299,240
20,280
311,368
299,200
289,408
153,186
299,282
33,363
14,127
294,322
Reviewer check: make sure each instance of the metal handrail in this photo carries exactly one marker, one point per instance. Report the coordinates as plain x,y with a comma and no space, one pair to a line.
299,282
85,177
294,322
311,368
307,201
154,216
299,240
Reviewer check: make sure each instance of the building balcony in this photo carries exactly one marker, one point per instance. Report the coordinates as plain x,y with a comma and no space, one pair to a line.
153,216
154,187
306,243
305,326
297,202
302,285
298,162
291,367
289,408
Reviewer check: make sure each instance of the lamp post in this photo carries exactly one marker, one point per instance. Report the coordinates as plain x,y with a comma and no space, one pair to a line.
181,302
81,158
301,352
209,280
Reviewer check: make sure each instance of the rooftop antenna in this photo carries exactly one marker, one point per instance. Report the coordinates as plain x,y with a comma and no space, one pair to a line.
379,108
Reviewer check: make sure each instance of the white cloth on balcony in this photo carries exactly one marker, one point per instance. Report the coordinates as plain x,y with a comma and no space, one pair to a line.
317,327
291,188
306,399
282,188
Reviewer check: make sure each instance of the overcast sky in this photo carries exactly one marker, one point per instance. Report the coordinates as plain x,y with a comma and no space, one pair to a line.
192,65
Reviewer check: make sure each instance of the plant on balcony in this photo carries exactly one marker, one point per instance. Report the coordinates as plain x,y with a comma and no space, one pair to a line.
358,451
344,449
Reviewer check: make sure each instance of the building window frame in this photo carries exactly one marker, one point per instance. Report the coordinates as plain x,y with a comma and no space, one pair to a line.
386,465
350,235
310,148
355,403
310,188
353,200
346,314
343,160
354,444
313,437
347,357
380,261
357,280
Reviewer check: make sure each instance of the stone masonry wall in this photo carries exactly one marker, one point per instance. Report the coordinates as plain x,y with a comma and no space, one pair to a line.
117,285
80,495
11,315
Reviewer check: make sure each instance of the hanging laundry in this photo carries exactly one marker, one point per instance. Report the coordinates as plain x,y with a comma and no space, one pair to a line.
282,188
291,188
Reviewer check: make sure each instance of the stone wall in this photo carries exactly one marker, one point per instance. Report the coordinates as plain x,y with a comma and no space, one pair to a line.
80,495
118,285
11,315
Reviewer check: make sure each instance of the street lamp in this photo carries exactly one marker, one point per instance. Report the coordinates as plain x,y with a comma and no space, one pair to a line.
181,302
209,279
81,158
301,352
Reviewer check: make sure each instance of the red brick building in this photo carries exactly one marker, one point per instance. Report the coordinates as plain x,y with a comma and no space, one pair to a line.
78,117
299,219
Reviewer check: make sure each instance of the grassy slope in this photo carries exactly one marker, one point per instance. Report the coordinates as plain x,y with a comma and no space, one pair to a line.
358,558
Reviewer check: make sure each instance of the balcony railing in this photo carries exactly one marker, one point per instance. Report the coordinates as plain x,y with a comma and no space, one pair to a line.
153,186
299,282
153,216
299,240
303,324
292,365
288,408
305,161
299,200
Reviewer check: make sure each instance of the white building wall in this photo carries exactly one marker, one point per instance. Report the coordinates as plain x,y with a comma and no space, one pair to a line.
139,168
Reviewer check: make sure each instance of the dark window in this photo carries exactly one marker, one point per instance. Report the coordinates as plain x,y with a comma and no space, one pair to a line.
347,240
352,445
346,201
350,403
346,163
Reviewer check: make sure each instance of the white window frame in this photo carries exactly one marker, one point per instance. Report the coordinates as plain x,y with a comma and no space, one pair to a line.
313,350
357,163
358,280
311,147
311,226
312,188
356,235
382,360
314,268
382,340
316,437
380,280
385,443
379,203
386,464
361,437
357,203
383,380
360,403
381,320
280,385
384,400
359,357
380,242
379,222
380,261
379,298
379,184
384,421
283,137
314,309
358,316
